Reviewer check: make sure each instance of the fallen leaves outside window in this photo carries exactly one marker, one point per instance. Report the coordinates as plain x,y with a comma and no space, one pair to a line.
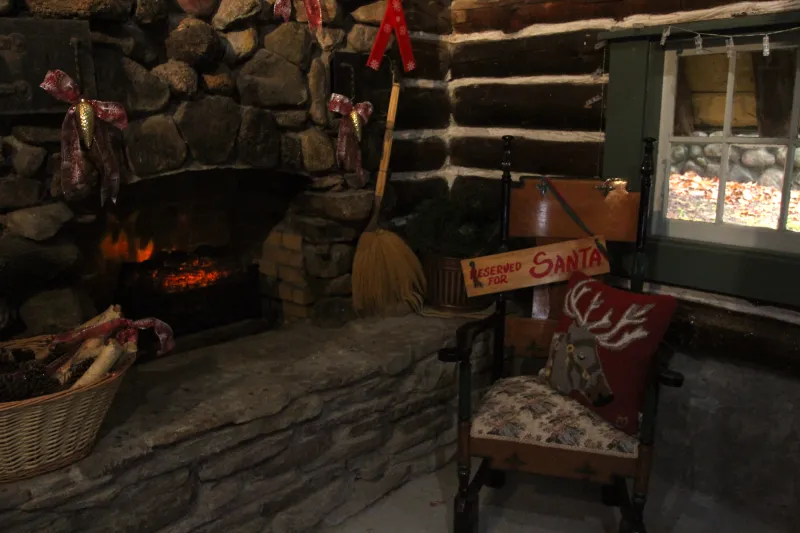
694,198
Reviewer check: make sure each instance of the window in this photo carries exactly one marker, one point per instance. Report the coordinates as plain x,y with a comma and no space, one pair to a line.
729,150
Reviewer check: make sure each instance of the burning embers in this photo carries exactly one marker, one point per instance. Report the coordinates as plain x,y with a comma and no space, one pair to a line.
194,291
191,274
163,268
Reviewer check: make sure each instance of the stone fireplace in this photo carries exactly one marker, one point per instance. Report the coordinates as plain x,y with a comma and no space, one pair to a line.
232,207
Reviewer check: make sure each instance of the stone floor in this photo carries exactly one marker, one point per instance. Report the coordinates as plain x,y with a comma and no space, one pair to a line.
530,504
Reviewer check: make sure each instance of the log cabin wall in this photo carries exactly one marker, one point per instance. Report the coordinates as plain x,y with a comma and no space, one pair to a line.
530,68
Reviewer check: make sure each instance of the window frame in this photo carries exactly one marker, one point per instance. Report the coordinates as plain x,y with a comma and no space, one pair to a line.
778,240
633,104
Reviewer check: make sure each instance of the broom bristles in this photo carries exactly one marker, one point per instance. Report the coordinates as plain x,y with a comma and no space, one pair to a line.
386,273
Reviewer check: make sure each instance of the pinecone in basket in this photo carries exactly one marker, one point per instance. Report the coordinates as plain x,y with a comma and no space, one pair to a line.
11,358
29,381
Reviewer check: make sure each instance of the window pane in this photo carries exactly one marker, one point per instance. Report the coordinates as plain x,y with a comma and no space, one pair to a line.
700,94
764,92
693,182
754,185
762,100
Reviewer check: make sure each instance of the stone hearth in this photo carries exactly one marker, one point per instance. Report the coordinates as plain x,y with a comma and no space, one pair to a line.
298,429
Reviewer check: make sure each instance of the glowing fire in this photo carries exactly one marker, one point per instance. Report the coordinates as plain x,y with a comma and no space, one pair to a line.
123,250
190,275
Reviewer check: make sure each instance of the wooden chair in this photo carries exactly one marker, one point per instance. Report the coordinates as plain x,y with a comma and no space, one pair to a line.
529,210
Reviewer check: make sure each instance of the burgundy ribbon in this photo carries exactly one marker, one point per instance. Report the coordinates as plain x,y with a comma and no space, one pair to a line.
125,330
283,9
348,149
74,181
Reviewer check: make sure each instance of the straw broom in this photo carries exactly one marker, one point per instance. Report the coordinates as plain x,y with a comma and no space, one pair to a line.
386,273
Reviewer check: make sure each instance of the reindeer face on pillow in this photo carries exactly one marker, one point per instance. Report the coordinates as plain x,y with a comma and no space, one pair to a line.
602,351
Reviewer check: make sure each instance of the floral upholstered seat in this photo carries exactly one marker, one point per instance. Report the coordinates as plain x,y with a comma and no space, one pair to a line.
524,409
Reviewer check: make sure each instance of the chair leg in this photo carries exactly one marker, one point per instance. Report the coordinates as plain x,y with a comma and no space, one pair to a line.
466,514
637,514
631,509
633,523
465,506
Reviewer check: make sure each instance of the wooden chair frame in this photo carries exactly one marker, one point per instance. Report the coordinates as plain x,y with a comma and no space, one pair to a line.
611,471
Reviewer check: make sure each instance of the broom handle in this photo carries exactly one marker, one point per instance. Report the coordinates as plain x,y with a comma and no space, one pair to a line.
380,186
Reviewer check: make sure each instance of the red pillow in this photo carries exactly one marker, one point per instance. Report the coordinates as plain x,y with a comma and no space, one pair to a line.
603,348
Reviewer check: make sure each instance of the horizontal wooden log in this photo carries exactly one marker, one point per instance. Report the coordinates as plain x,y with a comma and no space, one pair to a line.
432,58
513,15
431,16
409,156
482,197
561,53
552,106
408,194
423,108
574,159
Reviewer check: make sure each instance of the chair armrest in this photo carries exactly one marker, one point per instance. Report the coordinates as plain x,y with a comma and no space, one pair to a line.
465,338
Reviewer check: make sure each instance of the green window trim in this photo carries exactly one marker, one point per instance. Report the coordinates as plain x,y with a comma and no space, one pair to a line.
633,112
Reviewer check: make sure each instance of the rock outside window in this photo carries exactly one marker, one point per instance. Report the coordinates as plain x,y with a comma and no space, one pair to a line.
729,150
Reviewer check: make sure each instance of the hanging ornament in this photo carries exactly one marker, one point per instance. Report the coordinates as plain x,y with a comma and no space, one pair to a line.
765,44
82,127
85,113
348,149
393,18
283,9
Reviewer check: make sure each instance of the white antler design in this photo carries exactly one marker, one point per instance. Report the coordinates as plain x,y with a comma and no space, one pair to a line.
635,315
614,338
573,297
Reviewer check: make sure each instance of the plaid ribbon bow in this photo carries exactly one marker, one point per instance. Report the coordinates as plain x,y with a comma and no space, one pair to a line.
348,148
73,164
283,9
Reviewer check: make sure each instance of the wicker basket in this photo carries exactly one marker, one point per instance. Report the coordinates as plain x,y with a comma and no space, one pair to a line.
446,290
50,432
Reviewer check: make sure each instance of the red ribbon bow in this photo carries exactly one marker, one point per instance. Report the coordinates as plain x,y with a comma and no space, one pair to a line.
348,150
62,87
393,18
283,9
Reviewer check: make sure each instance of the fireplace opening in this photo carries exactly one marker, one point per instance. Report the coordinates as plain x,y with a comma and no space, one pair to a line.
185,248
190,291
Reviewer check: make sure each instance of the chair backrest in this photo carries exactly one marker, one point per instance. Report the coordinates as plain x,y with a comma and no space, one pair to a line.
535,211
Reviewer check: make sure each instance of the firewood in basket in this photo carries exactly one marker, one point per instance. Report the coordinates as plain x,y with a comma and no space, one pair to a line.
76,371
109,314
104,362
90,349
